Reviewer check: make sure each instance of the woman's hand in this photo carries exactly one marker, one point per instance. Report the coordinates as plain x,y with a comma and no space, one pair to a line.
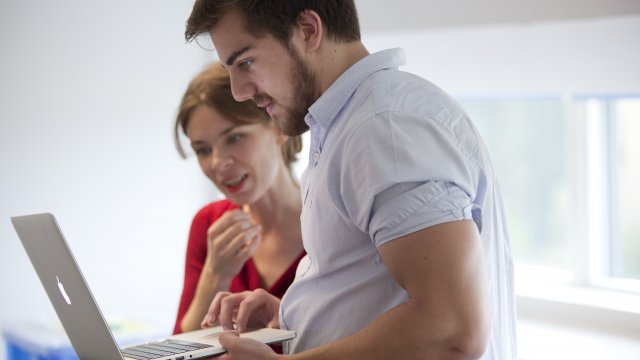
231,241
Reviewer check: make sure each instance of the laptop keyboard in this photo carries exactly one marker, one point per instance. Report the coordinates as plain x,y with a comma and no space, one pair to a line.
156,350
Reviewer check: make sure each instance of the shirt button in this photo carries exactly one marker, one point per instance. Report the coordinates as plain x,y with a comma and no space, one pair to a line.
316,156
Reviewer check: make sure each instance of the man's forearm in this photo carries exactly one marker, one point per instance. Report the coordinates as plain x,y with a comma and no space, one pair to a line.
408,331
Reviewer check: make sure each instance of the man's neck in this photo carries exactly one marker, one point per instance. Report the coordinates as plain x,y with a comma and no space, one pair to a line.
336,58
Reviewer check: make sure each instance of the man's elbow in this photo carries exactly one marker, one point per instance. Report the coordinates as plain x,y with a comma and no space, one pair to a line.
469,342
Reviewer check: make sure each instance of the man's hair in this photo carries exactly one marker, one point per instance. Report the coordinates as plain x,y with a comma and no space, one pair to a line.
276,17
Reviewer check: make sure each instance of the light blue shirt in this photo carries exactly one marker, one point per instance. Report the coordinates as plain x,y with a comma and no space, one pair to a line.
390,154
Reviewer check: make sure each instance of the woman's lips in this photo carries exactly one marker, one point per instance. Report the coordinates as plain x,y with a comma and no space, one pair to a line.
235,184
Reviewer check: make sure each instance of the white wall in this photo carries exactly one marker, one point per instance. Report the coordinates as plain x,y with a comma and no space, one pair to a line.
377,15
88,94
579,56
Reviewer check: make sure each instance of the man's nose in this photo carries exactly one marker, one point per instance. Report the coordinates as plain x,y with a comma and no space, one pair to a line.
241,87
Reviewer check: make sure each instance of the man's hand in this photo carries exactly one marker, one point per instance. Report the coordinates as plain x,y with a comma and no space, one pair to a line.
249,309
240,349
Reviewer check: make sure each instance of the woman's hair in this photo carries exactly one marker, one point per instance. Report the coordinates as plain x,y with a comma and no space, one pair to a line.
212,87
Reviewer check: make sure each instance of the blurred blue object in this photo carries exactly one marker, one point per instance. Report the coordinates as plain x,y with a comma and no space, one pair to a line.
48,341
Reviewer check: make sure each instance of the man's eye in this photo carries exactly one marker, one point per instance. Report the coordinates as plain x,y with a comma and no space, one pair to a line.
246,64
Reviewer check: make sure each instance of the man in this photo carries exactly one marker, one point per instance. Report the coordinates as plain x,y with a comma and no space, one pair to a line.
408,253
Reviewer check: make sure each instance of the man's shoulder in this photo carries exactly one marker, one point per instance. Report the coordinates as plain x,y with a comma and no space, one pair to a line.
393,90
401,100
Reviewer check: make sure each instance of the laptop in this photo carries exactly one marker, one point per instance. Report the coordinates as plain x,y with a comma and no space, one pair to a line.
80,316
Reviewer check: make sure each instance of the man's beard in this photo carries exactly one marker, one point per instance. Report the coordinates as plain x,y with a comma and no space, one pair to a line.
304,84
304,87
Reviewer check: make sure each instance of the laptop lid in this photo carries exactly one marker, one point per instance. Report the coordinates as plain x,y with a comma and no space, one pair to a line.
80,316
66,287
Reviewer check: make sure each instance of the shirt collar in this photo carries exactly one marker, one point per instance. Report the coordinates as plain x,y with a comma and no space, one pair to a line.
329,104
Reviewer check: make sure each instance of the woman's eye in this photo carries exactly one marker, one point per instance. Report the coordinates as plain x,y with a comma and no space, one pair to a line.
232,139
202,152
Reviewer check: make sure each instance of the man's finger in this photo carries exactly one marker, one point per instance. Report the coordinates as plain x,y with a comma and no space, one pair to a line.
256,300
211,316
228,339
228,307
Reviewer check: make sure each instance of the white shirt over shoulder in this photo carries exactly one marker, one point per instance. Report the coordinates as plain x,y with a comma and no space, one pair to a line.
391,154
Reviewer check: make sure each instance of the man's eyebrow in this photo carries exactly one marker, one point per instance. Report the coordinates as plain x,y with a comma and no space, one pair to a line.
232,58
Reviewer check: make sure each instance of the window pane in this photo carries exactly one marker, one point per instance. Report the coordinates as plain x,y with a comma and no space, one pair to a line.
626,245
527,140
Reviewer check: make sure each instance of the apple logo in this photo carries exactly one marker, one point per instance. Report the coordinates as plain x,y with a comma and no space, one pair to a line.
64,293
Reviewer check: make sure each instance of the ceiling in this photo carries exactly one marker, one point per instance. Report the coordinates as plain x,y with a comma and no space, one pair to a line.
390,15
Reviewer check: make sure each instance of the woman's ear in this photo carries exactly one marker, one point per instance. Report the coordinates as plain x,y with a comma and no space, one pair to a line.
281,138
277,133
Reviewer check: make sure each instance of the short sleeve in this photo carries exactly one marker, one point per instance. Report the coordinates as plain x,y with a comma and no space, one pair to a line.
417,206
402,173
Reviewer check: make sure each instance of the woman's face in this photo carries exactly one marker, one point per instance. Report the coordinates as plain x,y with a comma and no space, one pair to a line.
243,161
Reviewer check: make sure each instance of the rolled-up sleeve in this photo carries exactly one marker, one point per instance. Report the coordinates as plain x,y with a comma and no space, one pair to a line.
410,173
418,206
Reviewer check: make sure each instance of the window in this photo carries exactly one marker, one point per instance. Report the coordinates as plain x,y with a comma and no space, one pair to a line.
527,142
568,171
625,187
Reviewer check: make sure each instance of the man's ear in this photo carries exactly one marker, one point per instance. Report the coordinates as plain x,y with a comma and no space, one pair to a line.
309,29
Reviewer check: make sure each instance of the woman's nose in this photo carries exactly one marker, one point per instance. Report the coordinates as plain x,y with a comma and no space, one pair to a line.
220,161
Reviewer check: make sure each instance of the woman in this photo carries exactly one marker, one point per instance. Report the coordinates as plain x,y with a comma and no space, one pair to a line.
252,238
